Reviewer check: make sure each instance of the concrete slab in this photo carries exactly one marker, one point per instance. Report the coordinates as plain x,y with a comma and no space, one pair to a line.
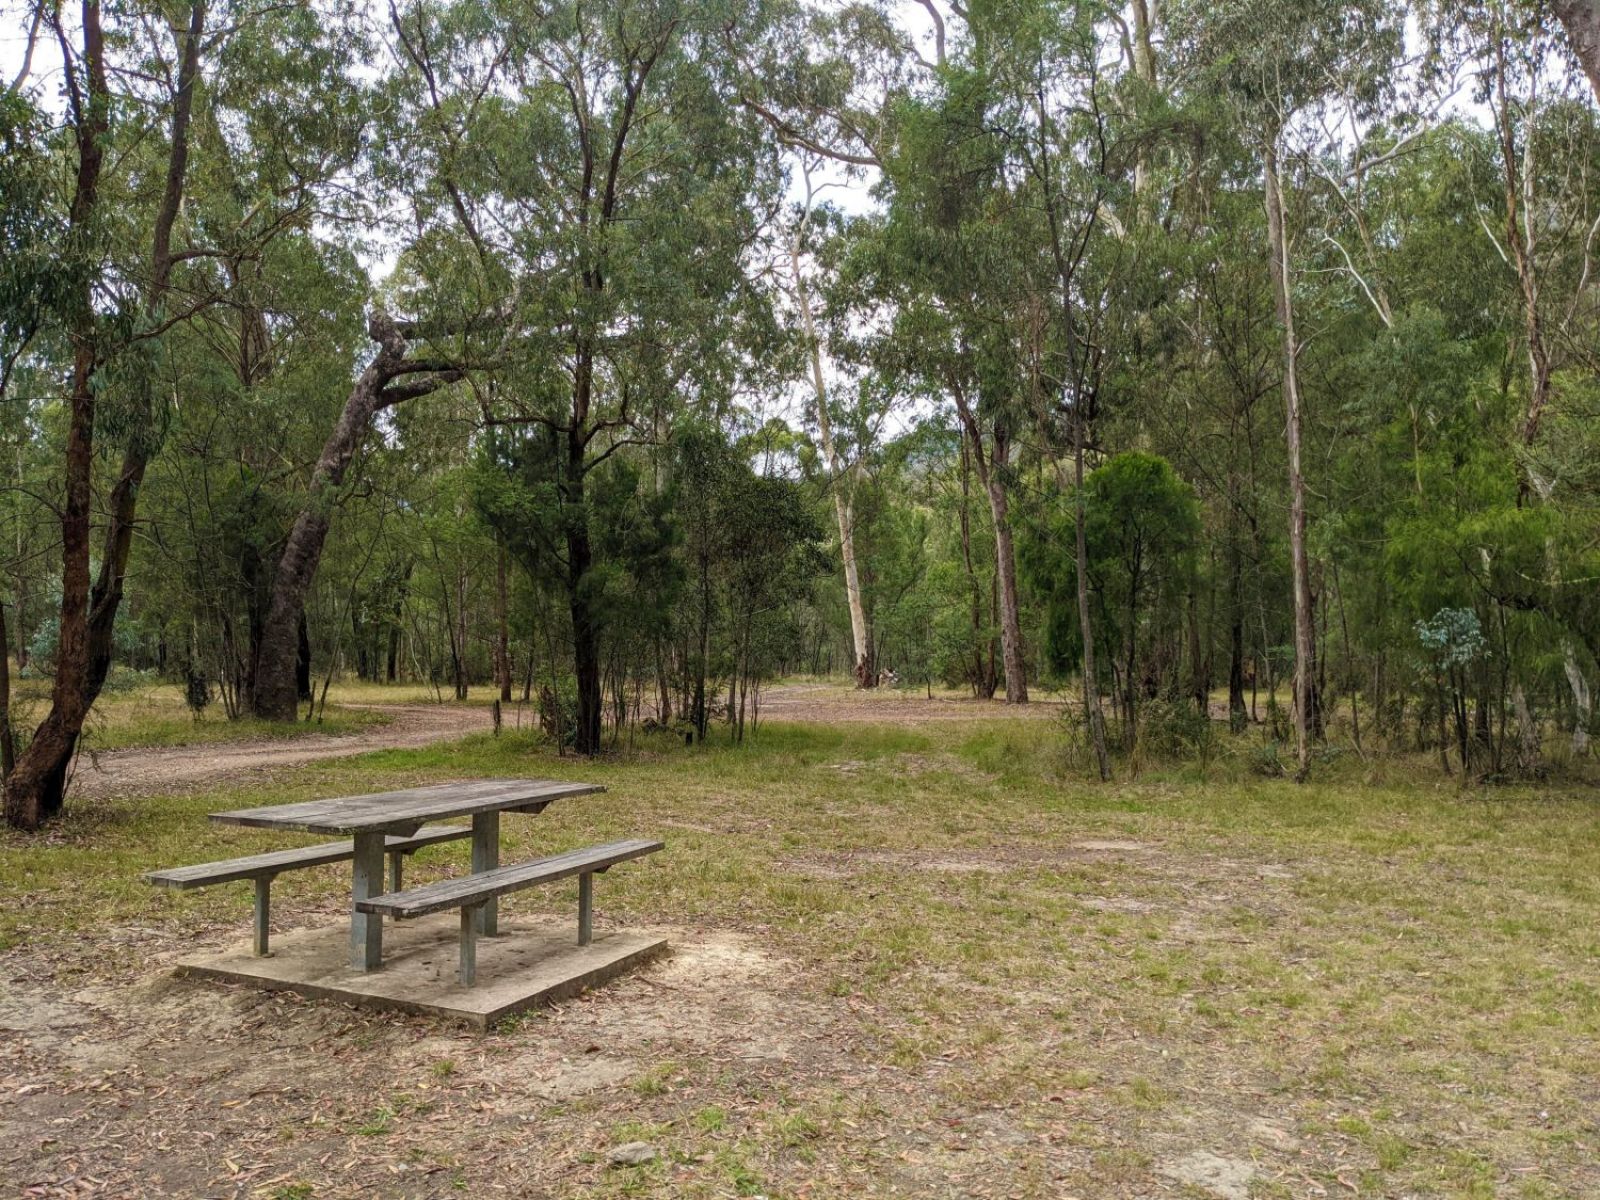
528,965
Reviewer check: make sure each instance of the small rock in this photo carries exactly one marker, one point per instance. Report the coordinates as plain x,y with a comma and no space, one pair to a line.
632,1154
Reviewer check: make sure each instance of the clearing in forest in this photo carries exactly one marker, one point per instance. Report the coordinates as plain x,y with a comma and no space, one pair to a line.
914,962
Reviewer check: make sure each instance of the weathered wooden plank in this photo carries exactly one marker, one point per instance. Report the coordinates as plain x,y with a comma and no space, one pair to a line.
396,805
260,866
340,808
392,810
475,889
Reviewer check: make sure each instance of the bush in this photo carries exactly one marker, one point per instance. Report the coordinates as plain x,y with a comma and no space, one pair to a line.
1266,758
197,690
1175,729
123,680
558,712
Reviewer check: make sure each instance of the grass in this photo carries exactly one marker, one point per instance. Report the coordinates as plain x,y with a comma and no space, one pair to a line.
156,715
1040,983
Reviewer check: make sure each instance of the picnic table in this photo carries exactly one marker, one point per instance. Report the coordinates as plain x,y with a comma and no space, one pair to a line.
372,820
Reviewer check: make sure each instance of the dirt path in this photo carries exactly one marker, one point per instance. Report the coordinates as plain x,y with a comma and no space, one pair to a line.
834,704
144,770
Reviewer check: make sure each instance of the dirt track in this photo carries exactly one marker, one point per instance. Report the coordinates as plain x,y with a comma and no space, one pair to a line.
143,770
836,704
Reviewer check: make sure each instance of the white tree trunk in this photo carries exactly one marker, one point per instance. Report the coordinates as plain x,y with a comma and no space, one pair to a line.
841,477
1582,703
1304,633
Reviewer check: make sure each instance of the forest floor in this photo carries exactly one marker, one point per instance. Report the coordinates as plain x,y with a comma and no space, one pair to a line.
918,962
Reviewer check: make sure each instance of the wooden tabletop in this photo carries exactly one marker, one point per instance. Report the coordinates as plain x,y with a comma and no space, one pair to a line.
387,811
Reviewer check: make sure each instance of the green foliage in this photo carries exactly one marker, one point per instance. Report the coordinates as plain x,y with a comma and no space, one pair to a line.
1452,638
1141,523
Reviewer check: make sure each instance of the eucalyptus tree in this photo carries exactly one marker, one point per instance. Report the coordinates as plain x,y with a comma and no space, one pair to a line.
1002,188
1069,117
954,273
1276,67
1545,206
394,375
843,476
827,82
140,264
584,184
29,228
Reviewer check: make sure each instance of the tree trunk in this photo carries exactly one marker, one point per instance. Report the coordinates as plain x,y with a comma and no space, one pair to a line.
580,561
983,680
697,709
1527,729
1199,669
8,745
1145,13
361,636
459,638
1582,705
19,596
502,643
1581,19
1518,179
274,695
396,615
1238,714
843,504
1010,622
302,660
989,474
1304,634
1091,674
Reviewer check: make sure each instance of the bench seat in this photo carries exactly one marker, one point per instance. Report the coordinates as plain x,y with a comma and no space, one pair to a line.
263,868
471,892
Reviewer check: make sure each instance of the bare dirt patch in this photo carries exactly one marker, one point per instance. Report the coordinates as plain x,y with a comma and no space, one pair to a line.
152,1086
167,769
1113,845
1214,1174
